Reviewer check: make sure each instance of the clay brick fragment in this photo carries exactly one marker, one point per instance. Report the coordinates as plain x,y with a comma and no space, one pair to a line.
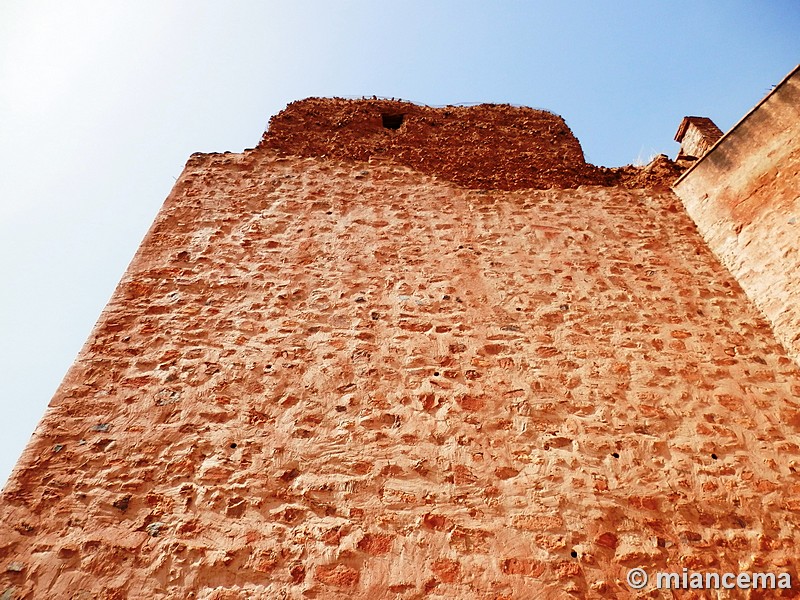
528,567
122,503
297,573
435,522
376,543
337,575
265,561
607,540
506,472
645,502
471,403
462,475
445,569
538,522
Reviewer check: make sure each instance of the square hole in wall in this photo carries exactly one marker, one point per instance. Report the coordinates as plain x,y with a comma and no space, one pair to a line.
392,121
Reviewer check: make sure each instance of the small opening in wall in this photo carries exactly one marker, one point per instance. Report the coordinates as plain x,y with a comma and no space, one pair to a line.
392,121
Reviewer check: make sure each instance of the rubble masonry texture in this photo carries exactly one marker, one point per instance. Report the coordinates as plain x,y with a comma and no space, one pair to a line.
331,378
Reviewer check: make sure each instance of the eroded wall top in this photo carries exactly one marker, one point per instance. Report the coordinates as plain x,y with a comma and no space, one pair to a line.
488,146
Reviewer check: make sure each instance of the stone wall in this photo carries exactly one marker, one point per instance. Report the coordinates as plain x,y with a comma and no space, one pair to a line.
487,146
322,378
745,198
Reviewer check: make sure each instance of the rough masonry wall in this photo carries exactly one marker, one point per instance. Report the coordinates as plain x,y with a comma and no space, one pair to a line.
338,380
745,198
488,146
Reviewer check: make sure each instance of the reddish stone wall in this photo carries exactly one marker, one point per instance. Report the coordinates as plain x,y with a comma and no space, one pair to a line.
489,146
340,380
745,198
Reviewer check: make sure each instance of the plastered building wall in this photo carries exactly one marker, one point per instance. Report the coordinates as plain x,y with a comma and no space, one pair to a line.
744,196
326,378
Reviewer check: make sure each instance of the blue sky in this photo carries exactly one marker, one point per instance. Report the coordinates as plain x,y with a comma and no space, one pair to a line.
101,103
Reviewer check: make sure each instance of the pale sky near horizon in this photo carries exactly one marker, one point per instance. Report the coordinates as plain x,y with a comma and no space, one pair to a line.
101,104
